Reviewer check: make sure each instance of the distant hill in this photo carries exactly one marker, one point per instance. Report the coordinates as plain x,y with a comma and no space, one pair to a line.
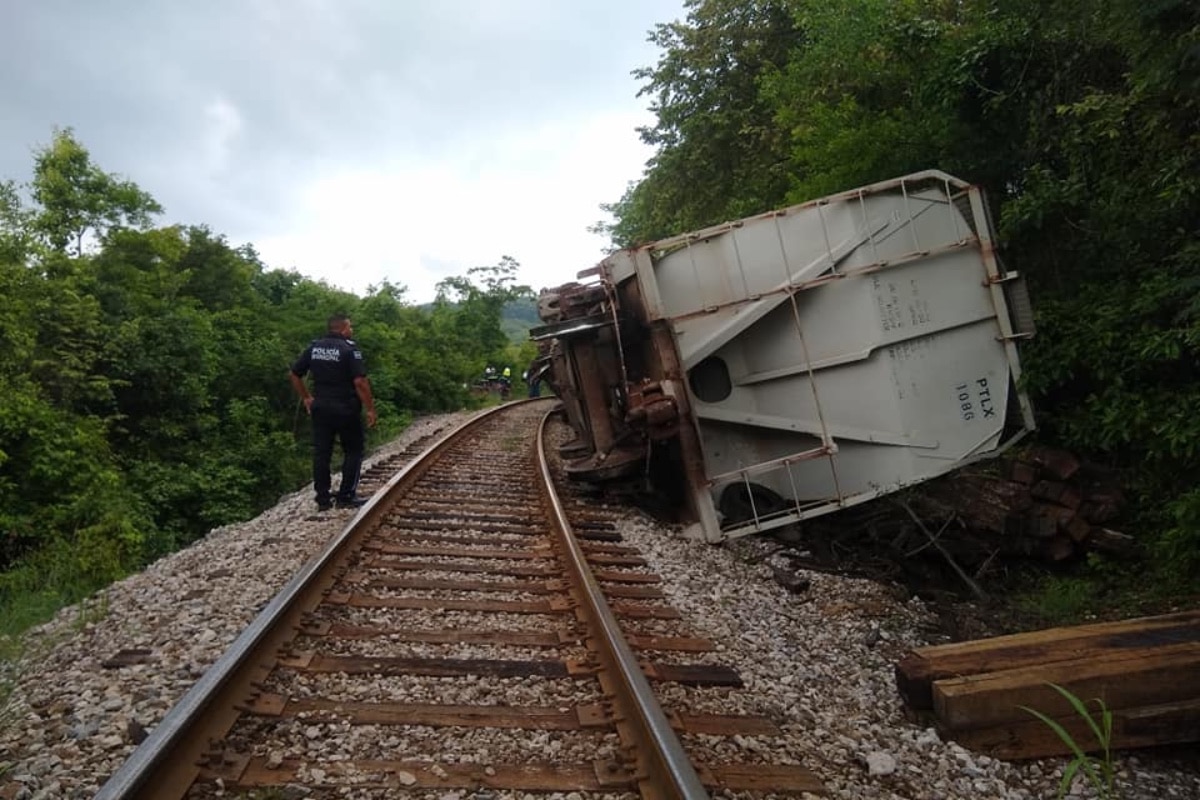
517,318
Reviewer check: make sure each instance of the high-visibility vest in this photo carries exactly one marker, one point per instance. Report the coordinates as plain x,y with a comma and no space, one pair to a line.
507,372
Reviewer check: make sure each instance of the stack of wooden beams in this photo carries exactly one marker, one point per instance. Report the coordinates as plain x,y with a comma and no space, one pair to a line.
1043,503
1146,671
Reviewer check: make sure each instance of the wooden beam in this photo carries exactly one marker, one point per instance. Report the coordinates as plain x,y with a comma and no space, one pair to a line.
1168,723
1123,679
917,671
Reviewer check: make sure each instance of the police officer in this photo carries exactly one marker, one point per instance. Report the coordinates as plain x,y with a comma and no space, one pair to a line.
340,391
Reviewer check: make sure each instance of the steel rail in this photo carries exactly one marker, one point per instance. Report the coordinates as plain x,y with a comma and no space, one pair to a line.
165,764
665,771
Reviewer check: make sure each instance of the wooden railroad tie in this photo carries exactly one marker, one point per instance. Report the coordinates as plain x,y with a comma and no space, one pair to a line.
1146,671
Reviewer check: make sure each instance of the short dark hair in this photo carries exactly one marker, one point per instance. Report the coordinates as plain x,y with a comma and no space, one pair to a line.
336,322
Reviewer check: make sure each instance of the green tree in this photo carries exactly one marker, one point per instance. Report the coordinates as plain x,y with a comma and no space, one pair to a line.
78,198
479,299
16,238
719,154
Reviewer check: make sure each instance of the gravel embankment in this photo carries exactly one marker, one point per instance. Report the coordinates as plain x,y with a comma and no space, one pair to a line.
819,663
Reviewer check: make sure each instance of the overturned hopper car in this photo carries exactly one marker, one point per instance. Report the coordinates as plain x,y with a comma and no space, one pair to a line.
777,368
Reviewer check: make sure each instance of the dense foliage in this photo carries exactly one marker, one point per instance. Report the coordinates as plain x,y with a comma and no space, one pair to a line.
1081,119
145,398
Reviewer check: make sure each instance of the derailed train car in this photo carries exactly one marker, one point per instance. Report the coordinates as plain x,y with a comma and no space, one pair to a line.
777,368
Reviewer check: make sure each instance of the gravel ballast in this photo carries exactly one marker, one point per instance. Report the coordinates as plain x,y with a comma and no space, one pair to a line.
92,681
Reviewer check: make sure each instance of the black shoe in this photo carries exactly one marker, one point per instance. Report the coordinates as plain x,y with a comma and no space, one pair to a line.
351,502
324,505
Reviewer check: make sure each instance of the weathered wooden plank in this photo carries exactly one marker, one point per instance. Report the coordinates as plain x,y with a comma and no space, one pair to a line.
517,570
1059,463
401,528
625,576
364,774
552,606
1123,679
1168,723
724,724
431,715
590,548
694,674
782,778
517,638
464,552
634,592
615,560
684,643
436,667
368,581
916,672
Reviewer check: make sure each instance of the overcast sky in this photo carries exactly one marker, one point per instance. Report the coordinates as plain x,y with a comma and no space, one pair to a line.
352,140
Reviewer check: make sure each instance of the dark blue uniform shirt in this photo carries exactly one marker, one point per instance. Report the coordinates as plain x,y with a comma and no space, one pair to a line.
335,362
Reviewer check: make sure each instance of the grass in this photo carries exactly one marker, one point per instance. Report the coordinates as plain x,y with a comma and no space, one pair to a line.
31,594
1098,589
1060,600
1100,771
20,611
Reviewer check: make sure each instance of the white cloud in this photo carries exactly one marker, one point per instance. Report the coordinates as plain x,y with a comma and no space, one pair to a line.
530,195
224,125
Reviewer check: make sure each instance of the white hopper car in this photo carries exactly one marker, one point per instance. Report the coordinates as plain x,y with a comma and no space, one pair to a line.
769,370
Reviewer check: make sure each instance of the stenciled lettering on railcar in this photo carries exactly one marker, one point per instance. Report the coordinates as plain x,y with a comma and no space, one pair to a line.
974,399
903,358
900,306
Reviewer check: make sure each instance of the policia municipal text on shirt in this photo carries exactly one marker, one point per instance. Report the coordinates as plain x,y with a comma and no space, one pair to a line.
340,391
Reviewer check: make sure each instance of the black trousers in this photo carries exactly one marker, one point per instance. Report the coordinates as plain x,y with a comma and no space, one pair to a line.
347,427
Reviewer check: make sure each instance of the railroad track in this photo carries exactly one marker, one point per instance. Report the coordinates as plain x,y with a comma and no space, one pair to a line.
455,637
